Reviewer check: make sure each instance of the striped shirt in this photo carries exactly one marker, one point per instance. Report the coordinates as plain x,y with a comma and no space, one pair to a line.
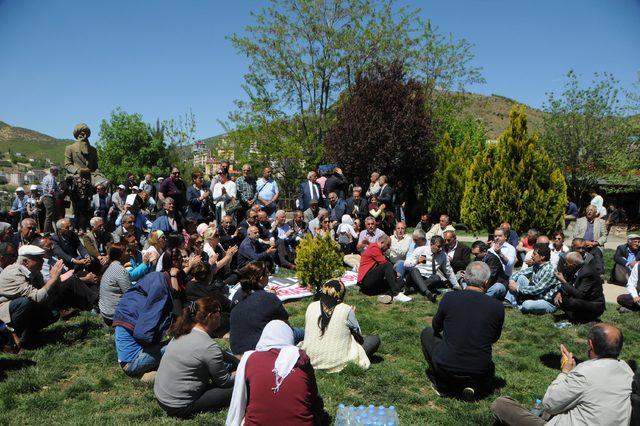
543,284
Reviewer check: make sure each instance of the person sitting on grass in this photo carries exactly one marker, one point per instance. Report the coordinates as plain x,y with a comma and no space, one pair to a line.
593,392
24,294
498,280
457,346
626,257
533,288
526,243
193,376
203,285
631,301
332,336
252,308
275,384
430,264
580,296
376,274
116,280
141,320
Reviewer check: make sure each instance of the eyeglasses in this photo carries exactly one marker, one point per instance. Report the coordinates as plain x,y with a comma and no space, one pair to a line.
326,221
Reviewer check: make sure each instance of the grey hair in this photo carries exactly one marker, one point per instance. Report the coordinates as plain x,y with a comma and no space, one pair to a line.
60,222
310,173
420,234
128,215
168,200
323,213
575,258
383,238
280,213
357,188
94,220
477,274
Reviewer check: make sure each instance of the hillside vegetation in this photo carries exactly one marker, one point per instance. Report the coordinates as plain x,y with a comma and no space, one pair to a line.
31,143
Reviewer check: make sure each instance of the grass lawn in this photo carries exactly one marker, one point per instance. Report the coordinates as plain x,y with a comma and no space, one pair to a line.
76,379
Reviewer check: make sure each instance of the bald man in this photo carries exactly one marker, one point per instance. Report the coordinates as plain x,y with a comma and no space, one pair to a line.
594,392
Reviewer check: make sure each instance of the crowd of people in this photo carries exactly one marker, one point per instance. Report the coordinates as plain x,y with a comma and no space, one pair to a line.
191,262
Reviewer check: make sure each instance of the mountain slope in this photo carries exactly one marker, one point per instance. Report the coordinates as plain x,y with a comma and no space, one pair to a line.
31,143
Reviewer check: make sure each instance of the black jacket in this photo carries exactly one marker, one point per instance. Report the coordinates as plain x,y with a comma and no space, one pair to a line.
497,271
363,207
68,249
585,285
461,257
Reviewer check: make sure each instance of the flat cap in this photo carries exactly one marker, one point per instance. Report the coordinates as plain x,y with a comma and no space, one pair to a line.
30,250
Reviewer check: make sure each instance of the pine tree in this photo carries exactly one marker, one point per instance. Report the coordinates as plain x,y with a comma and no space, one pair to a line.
454,155
515,181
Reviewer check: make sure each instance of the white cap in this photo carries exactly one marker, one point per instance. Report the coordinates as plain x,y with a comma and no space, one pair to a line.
121,187
30,250
19,189
160,179
135,188
33,188
201,228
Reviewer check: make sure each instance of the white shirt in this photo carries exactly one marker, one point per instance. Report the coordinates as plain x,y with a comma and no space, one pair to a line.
399,248
632,284
510,253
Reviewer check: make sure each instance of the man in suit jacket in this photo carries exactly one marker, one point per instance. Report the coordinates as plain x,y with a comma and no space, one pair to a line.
67,246
581,295
310,190
337,183
591,228
357,206
498,280
81,154
385,196
95,240
459,255
626,257
101,203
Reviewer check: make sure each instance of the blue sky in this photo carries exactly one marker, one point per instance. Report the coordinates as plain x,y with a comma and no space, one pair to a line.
76,60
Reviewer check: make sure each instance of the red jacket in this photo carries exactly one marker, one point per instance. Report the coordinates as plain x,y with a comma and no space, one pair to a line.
371,257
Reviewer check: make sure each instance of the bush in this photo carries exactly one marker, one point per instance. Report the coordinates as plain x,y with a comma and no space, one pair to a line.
317,260
515,181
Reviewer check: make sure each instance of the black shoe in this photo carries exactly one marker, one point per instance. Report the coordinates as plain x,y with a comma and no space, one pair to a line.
430,296
507,304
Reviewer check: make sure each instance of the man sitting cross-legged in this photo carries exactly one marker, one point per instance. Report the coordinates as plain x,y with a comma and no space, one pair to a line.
498,280
376,274
580,295
631,300
458,346
594,392
533,288
430,264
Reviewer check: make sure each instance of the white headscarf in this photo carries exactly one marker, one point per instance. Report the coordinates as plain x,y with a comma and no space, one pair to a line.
276,335
347,226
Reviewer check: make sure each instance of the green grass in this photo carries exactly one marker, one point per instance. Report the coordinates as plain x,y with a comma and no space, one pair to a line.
76,379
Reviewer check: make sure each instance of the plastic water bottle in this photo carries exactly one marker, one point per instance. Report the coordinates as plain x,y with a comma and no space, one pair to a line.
392,416
537,408
562,324
341,416
277,269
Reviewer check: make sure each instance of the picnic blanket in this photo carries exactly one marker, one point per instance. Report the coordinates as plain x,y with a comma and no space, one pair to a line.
286,288
289,289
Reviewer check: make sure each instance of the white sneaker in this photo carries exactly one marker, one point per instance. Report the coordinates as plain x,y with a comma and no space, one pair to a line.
401,297
384,298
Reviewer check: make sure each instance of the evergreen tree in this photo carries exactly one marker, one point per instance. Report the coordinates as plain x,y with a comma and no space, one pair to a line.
454,155
516,181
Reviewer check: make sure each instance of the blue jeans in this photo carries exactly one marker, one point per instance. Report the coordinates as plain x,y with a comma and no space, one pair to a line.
539,306
498,291
148,359
298,335
400,269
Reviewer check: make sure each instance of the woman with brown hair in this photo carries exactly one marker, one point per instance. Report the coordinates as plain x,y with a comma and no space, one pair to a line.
193,376
202,285
253,308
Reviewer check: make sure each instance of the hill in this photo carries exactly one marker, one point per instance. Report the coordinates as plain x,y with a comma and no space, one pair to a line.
493,112
31,143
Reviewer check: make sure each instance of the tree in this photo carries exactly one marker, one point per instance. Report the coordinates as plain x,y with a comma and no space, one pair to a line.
516,181
383,125
127,144
587,133
453,157
304,53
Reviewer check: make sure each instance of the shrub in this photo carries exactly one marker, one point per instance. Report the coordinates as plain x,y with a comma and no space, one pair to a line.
317,260
515,181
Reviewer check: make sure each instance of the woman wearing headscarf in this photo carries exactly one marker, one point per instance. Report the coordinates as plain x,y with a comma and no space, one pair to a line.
332,336
346,235
275,384
193,376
